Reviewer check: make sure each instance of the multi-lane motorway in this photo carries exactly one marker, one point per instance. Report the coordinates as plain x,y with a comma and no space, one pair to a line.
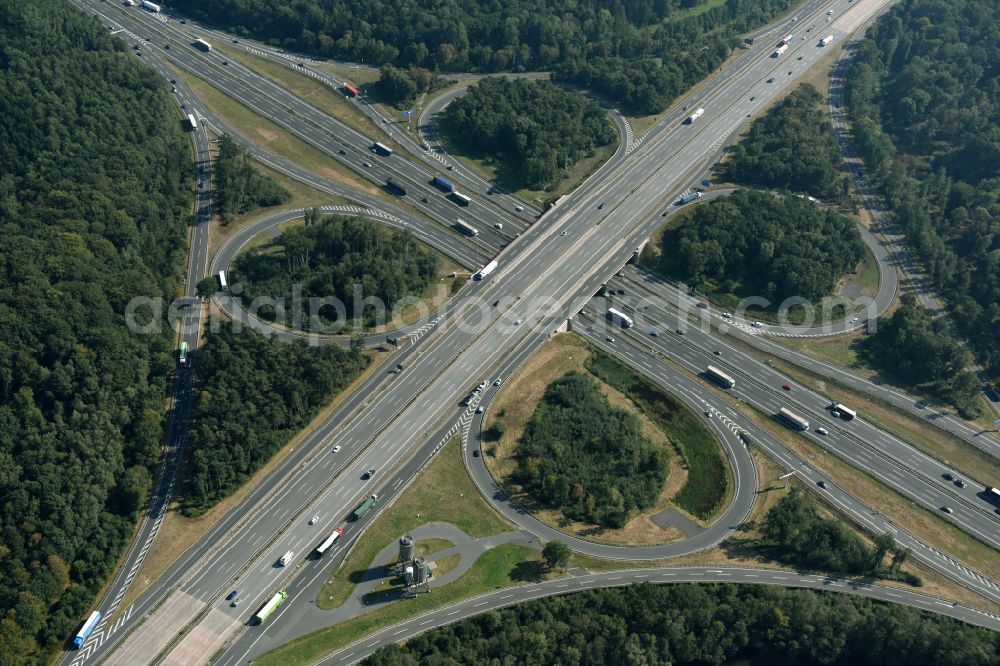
546,274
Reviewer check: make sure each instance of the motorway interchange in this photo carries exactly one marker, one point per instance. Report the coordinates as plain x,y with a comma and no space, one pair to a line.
549,270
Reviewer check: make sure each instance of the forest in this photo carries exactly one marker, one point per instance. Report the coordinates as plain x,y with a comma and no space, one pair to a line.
534,129
241,187
641,54
253,394
792,148
795,533
924,101
916,348
756,244
337,257
588,458
699,625
95,197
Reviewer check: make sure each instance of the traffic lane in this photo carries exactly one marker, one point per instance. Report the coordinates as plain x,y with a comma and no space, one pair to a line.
865,516
741,363
708,317
467,608
849,444
263,95
667,295
694,350
229,528
310,573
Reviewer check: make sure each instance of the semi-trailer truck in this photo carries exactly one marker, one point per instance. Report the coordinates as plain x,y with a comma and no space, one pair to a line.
695,116
202,45
442,184
364,507
150,6
778,51
485,270
395,187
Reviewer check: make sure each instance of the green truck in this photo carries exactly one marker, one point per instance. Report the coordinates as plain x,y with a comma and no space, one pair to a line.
364,507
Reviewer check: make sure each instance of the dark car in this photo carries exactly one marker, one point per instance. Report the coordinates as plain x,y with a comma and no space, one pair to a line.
821,484
232,595
680,331
475,453
947,476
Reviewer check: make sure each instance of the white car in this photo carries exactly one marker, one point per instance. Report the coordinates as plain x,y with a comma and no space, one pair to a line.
758,324
498,225
519,209
336,448
314,520
822,431
498,382
727,315
479,409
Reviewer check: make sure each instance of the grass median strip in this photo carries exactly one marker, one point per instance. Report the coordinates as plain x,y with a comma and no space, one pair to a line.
497,568
444,492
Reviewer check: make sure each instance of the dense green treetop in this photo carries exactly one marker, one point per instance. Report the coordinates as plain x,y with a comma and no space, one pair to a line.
588,458
95,197
253,394
796,533
333,256
700,624
241,187
924,99
914,347
537,130
641,53
791,147
775,247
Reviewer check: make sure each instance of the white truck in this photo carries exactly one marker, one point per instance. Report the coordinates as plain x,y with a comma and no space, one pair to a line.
695,116
150,6
826,40
286,558
485,270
